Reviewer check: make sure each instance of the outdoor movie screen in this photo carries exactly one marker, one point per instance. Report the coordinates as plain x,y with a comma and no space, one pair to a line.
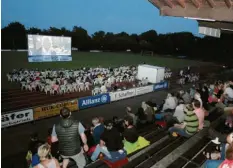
49,48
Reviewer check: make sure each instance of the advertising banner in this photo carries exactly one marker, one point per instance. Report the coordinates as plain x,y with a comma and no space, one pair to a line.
161,85
92,101
144,90
122,94
16,118
54,109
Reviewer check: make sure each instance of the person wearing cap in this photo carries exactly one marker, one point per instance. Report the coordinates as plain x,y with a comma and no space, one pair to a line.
111,144
189,126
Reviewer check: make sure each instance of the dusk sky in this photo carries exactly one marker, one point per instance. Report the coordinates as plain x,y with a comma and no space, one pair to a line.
131,16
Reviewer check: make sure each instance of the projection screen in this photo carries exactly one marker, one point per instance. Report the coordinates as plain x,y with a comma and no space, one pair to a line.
49,48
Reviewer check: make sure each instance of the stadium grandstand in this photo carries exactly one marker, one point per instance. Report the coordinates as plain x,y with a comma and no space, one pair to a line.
213,16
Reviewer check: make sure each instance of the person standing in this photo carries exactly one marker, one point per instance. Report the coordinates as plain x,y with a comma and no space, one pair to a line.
68,132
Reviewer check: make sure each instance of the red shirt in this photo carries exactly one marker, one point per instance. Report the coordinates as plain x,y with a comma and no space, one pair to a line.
226,164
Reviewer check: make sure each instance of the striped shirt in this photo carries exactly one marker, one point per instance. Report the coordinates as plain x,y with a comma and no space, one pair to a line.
191,121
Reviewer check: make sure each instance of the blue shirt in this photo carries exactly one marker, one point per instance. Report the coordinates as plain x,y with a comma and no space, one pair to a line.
97,132
35,160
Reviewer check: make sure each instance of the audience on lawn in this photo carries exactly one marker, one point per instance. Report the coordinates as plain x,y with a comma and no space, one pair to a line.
63,81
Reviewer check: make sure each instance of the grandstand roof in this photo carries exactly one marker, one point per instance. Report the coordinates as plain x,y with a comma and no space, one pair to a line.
217,14
212,10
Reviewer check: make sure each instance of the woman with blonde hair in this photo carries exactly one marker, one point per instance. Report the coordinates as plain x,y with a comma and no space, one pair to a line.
46,159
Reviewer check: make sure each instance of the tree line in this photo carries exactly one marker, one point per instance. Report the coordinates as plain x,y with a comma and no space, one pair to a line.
14,36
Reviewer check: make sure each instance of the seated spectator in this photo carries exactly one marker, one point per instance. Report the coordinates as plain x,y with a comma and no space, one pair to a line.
197,96
186,97
200,114
118,124
131,114
49,138
141,116
130,134
110,144
176,97
220,157
32,158
192,92
228,162
35,157
189,126
46,161
132,141
228,93
170,103
179,112
97,130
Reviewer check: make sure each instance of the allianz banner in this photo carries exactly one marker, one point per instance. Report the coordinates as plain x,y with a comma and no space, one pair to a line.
92,101
161,85
144,90
16,118
122,94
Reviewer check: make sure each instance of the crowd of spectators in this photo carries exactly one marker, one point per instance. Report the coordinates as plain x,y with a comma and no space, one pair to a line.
184,113
100,80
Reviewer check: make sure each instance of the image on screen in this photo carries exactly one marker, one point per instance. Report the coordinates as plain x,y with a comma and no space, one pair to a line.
49,48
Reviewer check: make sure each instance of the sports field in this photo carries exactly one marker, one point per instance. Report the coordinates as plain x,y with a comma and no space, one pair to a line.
15,60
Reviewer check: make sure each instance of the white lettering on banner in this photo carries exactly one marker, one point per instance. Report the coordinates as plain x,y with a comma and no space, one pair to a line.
17,118
160,86
144,90
90,101
122,94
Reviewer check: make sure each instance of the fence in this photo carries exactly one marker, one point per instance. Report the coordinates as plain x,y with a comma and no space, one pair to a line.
45,111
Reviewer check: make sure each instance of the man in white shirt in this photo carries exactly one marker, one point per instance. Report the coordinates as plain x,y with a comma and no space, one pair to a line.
170,103
179,112
228,93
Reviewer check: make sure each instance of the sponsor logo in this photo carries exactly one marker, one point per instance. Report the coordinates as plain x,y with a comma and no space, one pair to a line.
160,86
95,100
54,109
104,98
17,118
144,90
125,94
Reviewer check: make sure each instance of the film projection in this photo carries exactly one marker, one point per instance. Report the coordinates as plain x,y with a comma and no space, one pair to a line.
49,48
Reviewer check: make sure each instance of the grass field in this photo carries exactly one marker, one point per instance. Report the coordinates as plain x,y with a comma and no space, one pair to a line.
15,60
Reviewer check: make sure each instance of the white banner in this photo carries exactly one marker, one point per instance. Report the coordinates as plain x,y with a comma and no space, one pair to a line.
122,94
144,90
16,118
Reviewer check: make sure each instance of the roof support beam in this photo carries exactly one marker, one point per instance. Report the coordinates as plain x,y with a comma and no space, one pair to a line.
228,3
156,3
211,3
169,3
181,3
196,3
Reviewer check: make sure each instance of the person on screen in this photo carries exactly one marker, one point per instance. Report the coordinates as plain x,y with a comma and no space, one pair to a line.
37,47
47,46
